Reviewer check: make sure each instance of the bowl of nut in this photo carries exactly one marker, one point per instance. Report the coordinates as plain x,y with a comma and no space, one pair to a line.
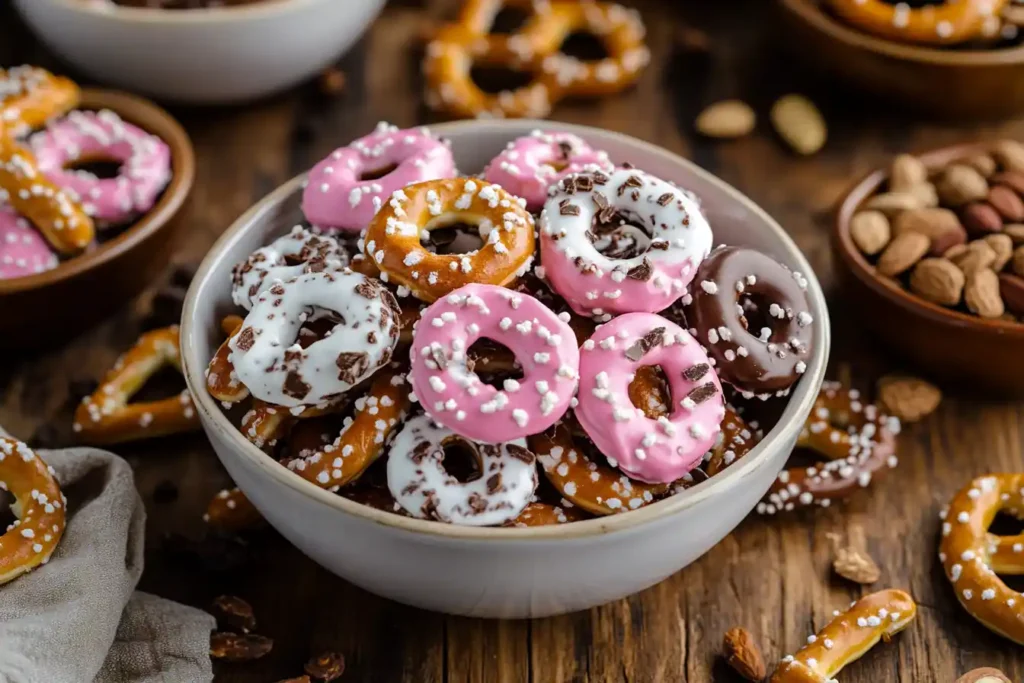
931,248
395,384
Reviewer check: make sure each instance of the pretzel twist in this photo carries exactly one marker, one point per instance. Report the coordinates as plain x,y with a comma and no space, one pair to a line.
848,637
38,505
856,437
30,96
736,439
221,380
534,49
950,23
972,557
62,221
545,514
107,417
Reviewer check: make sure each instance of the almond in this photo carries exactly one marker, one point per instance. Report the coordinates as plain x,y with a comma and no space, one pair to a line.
961,185
1007,203
940,226
925,193
938,280
980,162
799,123
726,119
891,203
983,675
1002,245
981,294
978,255
869,230
855,565
954,251
743,654
1011,289
903,252
908,398
1012,179
1009,154
1017,261
982,219
907,171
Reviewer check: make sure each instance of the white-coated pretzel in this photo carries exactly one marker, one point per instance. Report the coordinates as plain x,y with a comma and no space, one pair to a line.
847,637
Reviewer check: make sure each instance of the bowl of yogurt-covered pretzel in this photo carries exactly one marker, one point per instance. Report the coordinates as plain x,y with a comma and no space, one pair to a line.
503,368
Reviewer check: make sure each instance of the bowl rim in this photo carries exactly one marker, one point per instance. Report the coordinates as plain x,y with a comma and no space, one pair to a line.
858,264
156,121
799,405
811,13
263,9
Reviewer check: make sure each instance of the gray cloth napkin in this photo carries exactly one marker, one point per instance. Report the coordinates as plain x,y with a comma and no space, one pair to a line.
78,618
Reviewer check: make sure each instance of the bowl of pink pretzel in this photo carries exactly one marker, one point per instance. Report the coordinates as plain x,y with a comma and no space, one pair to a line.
507,368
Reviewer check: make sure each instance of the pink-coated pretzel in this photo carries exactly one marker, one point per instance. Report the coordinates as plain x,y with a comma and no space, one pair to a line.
347,188
531,164
23,251
654,451
86,136
454,395
584,207
856,437
972,557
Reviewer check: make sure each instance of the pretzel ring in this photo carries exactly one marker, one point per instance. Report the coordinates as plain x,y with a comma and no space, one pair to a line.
277,370
63,222
393,237
585,204
87,136
845,639
588,483
30,96
531,164
949,23
221,379
362,436
765,360
545,514
300,251
858,440
418,481
654,451
107,417
264,424
38,505
23,251
454,395
972,557
338,197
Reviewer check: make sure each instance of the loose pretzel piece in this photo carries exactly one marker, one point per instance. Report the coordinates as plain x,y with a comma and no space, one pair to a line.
593,486
858,440
848,637
63,222
952,22
38,505
30,96
362,437
972,557
221,380
231,511
107,417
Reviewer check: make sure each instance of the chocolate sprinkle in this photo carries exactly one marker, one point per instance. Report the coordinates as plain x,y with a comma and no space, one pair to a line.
570,210
520,453
702,393
246,338
353,365
494,483
294,386
641,272
695,372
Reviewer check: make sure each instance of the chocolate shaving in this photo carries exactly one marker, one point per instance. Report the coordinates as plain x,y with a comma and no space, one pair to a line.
600,178
277,289
520,453
569,185
565,149
665,199
246,338
494,483
702,393
368,289
371,337
695,372
641,272
352,366
438,355
294,386
421,451
584,183
600,200
569,210
477,503
643,345
633,181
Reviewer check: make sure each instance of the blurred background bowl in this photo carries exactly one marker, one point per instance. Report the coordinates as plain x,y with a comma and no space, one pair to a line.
203,56
977,84
49,308
944,344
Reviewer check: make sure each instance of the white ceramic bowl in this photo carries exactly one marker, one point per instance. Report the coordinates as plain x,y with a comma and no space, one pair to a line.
500,572
208,56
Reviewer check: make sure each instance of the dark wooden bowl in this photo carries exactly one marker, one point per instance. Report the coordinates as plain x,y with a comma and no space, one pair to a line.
944,344
46,309
977,84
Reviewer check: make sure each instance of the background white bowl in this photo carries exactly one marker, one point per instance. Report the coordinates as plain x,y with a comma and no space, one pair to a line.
486,571
208,56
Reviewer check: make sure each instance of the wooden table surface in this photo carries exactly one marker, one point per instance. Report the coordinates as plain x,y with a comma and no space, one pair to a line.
771,575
